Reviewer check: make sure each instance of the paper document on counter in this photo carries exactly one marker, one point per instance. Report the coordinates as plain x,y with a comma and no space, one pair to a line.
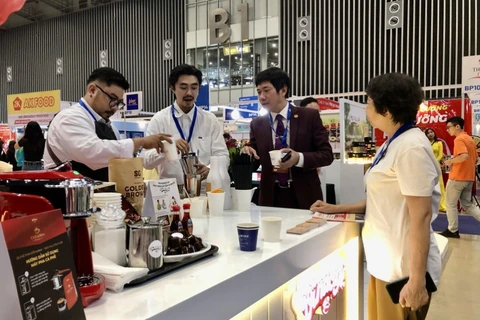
341,217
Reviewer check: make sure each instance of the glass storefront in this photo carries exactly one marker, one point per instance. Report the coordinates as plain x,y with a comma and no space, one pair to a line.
235,64
230,67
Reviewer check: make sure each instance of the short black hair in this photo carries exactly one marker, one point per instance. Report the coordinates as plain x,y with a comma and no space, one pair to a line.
109,76
184,70
305,102
397,93
456,121
277,77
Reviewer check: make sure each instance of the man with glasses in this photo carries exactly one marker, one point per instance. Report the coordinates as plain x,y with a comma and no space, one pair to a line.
83,135
461,177
193,129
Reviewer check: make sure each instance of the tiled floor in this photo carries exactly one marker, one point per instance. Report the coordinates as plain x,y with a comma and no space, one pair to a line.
458,295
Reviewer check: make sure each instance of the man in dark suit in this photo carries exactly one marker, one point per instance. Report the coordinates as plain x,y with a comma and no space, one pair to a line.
294,183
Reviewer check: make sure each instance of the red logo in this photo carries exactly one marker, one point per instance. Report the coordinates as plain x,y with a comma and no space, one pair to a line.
17,104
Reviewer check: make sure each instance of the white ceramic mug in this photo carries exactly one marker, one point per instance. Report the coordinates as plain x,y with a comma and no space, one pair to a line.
271,228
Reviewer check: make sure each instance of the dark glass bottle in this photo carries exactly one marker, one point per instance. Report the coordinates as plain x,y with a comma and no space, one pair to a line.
175,218
187,220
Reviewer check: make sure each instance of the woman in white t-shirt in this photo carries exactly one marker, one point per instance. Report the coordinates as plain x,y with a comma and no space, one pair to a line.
402,192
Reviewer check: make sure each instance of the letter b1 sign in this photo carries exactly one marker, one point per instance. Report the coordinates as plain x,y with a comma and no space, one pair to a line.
220,31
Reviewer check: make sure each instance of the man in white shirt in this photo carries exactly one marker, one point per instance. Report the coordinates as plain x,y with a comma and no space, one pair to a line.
82,133
193,129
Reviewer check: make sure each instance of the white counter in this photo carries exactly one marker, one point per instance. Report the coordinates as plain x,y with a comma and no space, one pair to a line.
220,287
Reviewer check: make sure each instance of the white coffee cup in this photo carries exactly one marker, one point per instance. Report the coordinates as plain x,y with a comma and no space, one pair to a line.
196,207
170,150
275,157
204,200
271,228
216,202
244,199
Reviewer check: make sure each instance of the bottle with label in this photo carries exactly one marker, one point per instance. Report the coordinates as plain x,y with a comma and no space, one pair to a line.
175,218
187,220
180,226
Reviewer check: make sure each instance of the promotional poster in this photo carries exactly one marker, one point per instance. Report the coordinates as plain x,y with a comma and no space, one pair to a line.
43,267
434,114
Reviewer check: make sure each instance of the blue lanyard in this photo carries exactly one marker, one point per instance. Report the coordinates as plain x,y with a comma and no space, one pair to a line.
179,128
283,139
381,154
84,106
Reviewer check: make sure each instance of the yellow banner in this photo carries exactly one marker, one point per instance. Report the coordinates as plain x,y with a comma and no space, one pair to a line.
33,106
34,102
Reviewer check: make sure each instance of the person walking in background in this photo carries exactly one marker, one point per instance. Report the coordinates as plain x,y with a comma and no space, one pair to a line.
437,147
401,197
11,155
33,143
461,177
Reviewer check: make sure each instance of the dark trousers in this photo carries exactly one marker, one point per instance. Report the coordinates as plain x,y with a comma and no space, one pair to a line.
285,197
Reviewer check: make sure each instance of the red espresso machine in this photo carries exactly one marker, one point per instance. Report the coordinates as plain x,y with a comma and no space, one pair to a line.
29,192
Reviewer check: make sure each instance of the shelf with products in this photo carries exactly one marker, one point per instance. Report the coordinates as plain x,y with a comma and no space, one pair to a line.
357,144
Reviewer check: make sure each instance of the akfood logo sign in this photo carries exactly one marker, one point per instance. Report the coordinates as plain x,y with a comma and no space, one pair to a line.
17,104
35,102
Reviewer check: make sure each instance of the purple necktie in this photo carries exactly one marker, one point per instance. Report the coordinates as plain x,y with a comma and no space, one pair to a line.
282,178
279,132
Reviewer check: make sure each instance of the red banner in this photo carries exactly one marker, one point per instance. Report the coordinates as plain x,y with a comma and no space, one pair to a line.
6,134
327,104
434,114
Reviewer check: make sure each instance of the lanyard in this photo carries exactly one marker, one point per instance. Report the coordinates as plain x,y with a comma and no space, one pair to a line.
179,128
283,139
84,106
381,154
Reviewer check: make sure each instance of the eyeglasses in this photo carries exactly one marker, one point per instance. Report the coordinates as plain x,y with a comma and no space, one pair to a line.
114,102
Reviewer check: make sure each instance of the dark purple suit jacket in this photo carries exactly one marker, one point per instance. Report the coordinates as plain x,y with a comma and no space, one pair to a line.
308,136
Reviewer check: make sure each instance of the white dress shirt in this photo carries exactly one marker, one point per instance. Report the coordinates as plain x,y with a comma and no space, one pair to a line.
207,139
286,124
72,137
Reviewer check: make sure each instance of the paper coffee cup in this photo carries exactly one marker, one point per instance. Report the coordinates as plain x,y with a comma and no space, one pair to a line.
247,236
170,150
216,202
275,157
271,228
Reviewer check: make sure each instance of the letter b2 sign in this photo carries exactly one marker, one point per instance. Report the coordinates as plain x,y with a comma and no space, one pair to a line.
220,31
